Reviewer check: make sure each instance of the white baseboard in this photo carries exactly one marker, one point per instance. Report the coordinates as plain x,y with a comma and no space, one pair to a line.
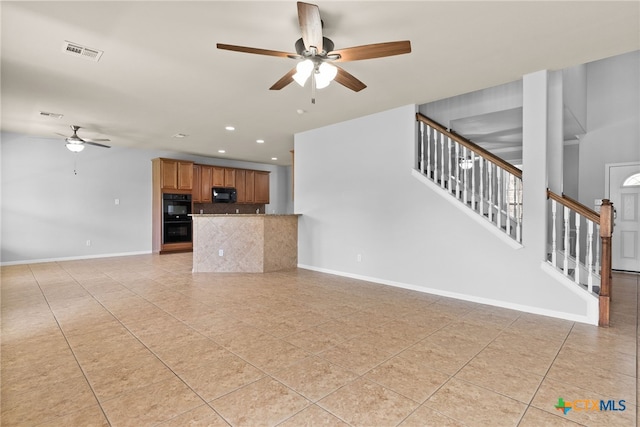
73,258
471,298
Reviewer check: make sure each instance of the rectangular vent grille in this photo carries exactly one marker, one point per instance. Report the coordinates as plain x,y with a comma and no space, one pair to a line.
54,115
82,51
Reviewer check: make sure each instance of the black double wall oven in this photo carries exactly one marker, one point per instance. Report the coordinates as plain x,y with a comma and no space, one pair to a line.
176,219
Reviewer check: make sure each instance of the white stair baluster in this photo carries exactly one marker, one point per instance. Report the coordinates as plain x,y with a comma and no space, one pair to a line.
422,166
457,171
465,183
473,181
508,180
429,151
565,264
499,196
481,175
519,210
490,179
554,248
590,255
598,245
577,262
449,143
443,160
435,155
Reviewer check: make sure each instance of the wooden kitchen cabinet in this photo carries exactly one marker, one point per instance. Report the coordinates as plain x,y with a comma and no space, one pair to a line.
241,175
206,182
175,174
249,186
218,177
229,177
261,189
196,192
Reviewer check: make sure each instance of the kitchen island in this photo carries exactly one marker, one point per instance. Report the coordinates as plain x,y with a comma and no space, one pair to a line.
240,243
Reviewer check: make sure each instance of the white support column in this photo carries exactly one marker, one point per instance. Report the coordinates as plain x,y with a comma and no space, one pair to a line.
535,126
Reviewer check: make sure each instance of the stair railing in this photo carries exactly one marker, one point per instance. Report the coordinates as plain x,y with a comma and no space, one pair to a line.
489,185
580,246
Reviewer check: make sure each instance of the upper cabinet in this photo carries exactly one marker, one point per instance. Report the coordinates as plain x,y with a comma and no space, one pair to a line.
175,174
206,179
196,193
229,177
218,177
261,187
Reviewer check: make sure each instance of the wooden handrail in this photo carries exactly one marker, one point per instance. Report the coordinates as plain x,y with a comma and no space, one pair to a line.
574,205
471,146
605,220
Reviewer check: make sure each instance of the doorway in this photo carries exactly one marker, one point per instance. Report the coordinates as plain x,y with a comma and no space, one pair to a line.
624,192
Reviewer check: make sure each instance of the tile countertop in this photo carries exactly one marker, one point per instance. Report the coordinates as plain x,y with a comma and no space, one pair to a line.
243,215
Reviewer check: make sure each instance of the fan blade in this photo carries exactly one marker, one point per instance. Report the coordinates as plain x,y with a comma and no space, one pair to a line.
96,144
284,81
310,24
253,50
349,81
370,51
66,136
95,140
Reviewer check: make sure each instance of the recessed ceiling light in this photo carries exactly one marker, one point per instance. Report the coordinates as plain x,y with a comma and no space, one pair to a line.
260,141
274,158
230,128
180,135
221,151
300,111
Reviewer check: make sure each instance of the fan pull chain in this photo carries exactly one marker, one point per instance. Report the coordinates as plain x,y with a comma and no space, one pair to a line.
313,87
75,163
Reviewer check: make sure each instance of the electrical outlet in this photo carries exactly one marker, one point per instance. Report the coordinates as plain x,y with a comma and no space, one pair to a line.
359,257
88,242
220,252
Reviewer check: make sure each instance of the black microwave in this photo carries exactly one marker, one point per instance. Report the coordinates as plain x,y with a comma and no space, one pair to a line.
223,195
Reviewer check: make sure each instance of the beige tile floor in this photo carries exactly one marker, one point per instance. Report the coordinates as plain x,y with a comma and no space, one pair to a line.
140,340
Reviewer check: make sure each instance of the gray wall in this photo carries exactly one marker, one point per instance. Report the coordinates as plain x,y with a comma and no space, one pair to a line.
613,122
356,193
48,212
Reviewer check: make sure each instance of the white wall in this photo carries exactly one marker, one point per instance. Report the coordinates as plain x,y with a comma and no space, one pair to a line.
613,121
356,193
48,212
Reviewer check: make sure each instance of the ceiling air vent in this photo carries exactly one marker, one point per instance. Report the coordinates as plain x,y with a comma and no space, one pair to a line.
81,51
53,115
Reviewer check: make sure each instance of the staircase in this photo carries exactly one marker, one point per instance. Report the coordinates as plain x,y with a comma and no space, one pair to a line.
489,188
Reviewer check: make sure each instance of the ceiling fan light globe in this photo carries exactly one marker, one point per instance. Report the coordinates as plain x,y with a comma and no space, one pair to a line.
321,82
75,147
303,71
328,71
300,79
466,164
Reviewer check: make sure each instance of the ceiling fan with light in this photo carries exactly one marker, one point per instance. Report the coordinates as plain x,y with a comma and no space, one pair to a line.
76,144
316,55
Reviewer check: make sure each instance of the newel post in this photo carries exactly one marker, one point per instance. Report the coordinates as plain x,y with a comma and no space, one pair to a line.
606,230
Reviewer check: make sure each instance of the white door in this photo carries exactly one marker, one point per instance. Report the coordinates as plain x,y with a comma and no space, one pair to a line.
624,193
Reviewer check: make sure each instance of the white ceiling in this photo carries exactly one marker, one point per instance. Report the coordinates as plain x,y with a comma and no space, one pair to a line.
161,73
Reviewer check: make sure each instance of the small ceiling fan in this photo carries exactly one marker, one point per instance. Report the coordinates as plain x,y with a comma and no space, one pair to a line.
316,55
76,144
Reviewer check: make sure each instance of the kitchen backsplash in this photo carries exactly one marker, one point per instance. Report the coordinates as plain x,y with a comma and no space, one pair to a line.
227,208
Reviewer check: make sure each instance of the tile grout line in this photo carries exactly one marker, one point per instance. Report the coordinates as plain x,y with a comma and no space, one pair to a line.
84,374
138,339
